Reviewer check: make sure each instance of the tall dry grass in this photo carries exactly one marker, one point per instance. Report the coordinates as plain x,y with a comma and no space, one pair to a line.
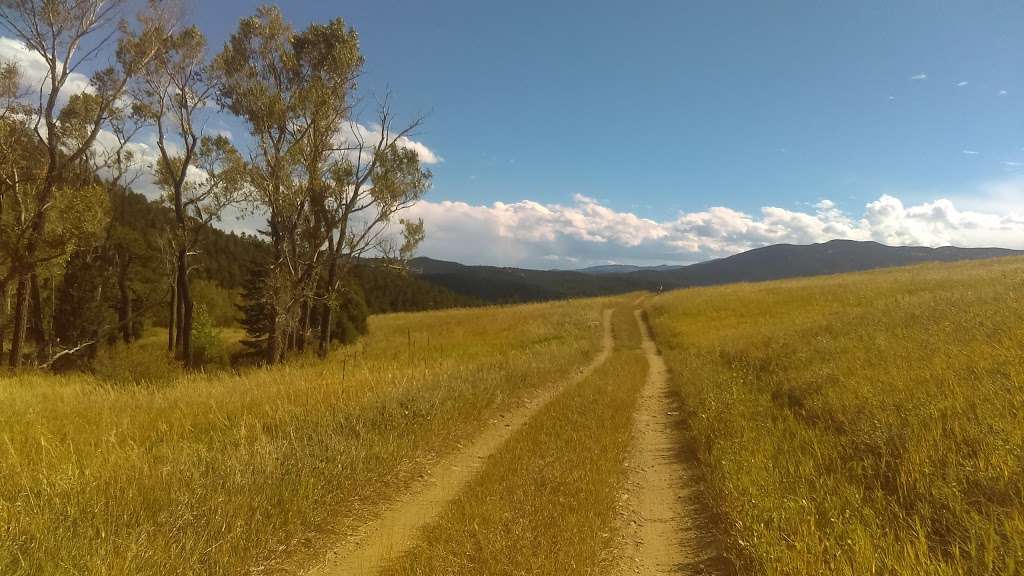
222,474
859,424
546,501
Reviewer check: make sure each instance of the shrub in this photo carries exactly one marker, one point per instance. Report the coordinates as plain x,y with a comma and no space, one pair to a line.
207,347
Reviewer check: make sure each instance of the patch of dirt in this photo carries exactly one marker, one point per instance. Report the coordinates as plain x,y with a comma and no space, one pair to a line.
666,531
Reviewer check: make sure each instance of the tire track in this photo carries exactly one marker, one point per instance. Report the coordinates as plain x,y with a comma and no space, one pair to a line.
667,534
395,530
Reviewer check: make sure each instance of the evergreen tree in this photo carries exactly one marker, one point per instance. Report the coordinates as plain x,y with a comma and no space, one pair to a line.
82,310
256,315
350,315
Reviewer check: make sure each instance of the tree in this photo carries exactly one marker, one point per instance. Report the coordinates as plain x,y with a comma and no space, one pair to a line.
202,175
15,143
379,179
328,199
256,314
122,244
259,81
66,34
81,308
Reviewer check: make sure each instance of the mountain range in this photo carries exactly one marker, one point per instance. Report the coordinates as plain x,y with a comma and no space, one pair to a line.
502,284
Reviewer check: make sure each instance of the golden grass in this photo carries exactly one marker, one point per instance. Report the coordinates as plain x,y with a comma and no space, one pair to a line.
222,474
859,424
545,502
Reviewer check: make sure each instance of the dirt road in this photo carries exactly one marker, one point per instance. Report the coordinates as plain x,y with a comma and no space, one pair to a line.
395,530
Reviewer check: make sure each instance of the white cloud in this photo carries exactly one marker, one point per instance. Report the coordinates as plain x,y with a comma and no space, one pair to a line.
369,135
963,83
919,77
1003,92
971,152
585,232
35,72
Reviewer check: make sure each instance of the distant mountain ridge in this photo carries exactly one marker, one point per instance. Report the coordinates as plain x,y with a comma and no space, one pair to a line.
627,268
502,284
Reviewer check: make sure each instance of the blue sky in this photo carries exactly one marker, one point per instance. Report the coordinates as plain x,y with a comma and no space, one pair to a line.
665,106
575,133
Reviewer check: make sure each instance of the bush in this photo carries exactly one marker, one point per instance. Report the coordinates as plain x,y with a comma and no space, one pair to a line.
221,304
350,315
207,347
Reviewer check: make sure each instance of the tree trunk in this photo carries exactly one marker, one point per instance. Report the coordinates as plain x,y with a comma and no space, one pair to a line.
273,338
300,336
327,313
179,320
185,329
274,333
20,321
124,310
37,320
3,318
28,258
172,317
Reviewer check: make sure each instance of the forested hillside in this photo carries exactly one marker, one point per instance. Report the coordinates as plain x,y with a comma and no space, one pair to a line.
116,288
496,284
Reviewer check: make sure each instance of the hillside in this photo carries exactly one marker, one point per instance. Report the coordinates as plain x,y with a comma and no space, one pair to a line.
226,259
495,284
833,257
626,269
504,285
873,417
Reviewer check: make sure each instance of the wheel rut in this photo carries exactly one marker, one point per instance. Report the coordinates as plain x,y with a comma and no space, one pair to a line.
667,532
396,529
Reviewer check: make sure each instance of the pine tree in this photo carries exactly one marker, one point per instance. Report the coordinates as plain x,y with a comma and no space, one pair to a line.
256,315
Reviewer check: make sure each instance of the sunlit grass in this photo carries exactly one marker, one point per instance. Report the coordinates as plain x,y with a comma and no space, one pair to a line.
545,503
223,474
859,424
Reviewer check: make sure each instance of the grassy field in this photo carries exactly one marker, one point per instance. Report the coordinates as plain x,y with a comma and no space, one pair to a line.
545,503
226,474
859,424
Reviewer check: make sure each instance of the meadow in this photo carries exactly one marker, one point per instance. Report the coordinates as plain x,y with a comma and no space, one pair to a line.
253,473
865,423
547,501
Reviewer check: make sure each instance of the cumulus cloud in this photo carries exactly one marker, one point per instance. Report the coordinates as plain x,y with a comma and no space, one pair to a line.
919,77
369,135
584,232
35,72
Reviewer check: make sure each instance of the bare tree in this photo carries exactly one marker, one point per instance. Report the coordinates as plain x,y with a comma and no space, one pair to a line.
201,174
377,180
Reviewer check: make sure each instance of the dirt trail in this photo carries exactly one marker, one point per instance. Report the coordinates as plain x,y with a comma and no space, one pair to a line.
395,530
667,534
